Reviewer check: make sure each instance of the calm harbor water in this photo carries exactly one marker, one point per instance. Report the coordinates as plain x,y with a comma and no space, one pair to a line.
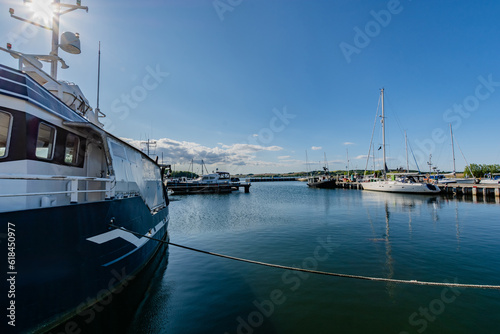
344,231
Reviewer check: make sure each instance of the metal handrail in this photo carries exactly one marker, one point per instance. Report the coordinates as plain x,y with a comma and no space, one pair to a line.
53,193
73,185
53,177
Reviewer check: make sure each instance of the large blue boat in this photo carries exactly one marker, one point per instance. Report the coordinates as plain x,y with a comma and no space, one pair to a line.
65,184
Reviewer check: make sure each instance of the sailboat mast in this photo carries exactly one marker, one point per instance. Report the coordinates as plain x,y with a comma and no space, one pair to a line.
307,165
383,133
453,150
406,145
373,154
347,159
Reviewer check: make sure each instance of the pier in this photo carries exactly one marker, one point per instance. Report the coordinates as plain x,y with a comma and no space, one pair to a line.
214,188
272,179
459,189
485,190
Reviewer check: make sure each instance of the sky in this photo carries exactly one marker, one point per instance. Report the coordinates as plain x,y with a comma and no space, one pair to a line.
253,86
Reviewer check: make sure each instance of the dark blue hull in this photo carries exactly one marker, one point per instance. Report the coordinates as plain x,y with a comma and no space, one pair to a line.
68,261
329,184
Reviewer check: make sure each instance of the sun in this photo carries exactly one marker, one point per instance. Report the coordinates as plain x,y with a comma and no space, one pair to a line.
42,10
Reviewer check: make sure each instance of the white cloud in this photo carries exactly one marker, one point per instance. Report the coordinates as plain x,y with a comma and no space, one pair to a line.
316,148
182,152
281,157
349,143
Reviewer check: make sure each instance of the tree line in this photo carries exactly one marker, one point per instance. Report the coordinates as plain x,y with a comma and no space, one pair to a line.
479,170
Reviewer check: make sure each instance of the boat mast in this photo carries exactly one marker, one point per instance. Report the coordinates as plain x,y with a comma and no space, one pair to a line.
453,151
406,145
383,134
307,165
99,80
55,38
373,154
326,164
347,159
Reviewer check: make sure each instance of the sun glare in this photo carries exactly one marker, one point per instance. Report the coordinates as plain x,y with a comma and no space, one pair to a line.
43,10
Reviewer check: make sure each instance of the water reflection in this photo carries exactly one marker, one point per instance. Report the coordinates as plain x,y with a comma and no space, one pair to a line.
398,203
384,235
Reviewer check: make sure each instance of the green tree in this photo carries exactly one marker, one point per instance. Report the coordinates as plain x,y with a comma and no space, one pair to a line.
479,170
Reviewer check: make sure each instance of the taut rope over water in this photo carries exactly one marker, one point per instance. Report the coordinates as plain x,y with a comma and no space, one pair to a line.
367,278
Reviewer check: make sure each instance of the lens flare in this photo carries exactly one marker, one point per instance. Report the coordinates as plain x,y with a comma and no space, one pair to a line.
43,11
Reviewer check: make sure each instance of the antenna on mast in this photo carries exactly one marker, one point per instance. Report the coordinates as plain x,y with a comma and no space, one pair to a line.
69,42
98,76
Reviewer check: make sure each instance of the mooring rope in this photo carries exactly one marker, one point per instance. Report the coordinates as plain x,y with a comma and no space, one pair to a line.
310,271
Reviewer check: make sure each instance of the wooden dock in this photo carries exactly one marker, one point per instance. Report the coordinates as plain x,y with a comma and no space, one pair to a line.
459,189
272,179
188,189
485,190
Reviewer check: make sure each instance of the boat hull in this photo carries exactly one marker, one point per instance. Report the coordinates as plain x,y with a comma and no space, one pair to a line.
200,188
327,184
400,187
68,258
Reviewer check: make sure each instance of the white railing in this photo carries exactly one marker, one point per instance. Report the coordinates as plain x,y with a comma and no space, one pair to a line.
72,186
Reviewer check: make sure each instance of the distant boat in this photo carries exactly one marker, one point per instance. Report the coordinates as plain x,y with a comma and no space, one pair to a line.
218,182
218,177
404,183
398,184
491,179
322,181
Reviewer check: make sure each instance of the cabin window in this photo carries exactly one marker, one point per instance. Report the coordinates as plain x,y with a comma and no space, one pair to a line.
5,124
45,141
71,150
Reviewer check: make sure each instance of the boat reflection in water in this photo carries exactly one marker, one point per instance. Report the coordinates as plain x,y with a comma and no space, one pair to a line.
115,311
392,204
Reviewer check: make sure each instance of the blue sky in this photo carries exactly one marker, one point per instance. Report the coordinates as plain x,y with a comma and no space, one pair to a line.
249,86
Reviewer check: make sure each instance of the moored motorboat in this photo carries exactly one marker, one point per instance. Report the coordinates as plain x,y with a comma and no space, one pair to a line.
218,182
65,183
326,180
491,179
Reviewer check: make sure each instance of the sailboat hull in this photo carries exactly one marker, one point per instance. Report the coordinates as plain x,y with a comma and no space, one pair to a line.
401,187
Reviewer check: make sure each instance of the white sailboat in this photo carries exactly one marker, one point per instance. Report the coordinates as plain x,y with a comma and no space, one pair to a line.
405,183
